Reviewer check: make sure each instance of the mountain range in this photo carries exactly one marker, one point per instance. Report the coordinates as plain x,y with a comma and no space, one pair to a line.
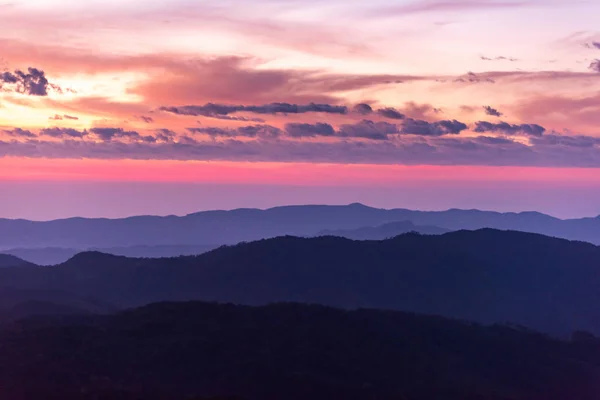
58,255
200,351
230,227
488,276
53,242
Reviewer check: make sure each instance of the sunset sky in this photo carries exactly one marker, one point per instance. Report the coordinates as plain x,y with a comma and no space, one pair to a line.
121,107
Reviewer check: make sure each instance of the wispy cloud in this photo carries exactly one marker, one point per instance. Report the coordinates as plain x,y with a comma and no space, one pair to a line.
420,7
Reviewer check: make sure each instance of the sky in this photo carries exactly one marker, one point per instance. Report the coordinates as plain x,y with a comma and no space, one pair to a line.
114,108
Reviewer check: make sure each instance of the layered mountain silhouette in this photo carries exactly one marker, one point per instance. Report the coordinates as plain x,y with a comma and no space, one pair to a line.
384,231
180,351
230,227
9,261
487,276
57,255
19,303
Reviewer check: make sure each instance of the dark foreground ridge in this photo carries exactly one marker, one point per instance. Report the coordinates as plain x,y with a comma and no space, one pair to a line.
10,261
487,276
179,351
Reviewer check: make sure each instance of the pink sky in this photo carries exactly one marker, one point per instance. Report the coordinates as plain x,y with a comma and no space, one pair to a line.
273,92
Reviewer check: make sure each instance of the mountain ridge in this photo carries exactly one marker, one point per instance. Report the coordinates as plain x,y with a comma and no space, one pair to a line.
229,227
211,351
548,284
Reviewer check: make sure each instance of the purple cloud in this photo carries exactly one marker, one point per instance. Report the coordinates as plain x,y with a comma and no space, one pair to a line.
492,111
19,133
145,119
509,129
368,130
298,130
551,150
108,134
390,113
212,109
593,45
63,133
423,128
33,82
251,131
363,109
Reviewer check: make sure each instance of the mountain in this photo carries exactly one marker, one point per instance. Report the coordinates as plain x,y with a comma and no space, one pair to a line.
56,255
19,303
486,276
384,231
9,261
230,227
180,351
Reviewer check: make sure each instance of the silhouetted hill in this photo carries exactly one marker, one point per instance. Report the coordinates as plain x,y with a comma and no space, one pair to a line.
488,276
9,261
19,303
288,351
384,231
230,227
56,255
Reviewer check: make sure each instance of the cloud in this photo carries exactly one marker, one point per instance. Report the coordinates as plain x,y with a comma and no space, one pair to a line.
547,151
299,130
33,82
423,128
213,131
240,80
19,133
421,7
492,111
232,118
165,135
566,140
108,134
593,45
595,66
509,129
260,131
363,109
63,133
583,113
500,58
419,111
368,130
57,117
472,77
145,119
390,113
250,131
211,109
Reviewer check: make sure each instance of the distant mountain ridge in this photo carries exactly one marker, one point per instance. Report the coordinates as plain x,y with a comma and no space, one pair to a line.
230,227
57,255
385,231
487,276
